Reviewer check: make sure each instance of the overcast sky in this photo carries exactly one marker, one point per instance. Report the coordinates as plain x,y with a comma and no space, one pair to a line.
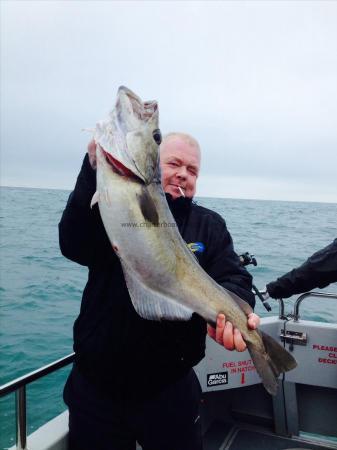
253,81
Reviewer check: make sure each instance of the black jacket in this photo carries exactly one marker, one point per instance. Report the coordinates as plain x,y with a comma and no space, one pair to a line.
114,345
318,271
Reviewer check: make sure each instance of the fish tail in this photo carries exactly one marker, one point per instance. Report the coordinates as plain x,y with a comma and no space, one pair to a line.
271,361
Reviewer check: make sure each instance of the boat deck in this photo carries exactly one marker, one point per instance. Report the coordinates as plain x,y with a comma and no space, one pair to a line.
222,436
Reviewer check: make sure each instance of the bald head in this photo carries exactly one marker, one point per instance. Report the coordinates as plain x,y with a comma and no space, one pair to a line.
181,137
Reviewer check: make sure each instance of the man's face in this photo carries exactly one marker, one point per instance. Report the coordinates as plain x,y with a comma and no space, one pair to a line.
180,164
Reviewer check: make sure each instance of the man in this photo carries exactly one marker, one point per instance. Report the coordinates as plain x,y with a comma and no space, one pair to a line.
133,378
318,271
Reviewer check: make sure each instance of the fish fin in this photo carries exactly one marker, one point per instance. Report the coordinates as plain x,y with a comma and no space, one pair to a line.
246,308
151,304
272,362
148,207
283,360
94,199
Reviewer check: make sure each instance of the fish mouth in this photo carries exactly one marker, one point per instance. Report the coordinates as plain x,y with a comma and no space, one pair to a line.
128,149
119,167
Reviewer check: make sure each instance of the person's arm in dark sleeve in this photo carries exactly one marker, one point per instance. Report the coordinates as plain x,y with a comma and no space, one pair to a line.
78,222
223,264
317,272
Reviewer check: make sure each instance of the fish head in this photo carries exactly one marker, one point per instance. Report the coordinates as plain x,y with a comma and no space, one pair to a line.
130,137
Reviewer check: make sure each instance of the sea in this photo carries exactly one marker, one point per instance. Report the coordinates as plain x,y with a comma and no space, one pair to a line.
41,290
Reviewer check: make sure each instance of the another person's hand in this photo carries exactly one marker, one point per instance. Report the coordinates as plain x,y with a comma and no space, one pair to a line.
227,335
92,154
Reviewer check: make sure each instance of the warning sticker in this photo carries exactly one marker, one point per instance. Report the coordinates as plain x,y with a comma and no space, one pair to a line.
239,366
330,353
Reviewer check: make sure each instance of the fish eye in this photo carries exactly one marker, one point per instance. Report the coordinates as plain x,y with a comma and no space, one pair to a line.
157,136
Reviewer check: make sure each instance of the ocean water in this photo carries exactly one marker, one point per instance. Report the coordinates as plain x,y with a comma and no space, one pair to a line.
41,291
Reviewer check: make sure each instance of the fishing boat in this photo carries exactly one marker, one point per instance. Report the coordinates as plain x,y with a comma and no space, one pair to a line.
237,413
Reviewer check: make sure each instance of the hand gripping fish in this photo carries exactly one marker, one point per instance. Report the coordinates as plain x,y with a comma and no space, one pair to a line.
164,279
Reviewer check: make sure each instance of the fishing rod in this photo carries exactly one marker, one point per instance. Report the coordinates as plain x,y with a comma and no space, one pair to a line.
246,259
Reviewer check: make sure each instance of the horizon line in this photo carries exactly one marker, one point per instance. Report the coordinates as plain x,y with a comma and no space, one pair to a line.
196,197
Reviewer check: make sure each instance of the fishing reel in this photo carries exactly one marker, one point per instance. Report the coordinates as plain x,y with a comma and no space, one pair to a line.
245,260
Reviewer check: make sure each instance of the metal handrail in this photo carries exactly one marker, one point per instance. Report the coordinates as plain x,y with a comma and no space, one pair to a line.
13,385
295,315
19,387
299,300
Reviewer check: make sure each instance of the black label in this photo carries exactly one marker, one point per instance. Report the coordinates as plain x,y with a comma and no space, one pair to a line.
214,379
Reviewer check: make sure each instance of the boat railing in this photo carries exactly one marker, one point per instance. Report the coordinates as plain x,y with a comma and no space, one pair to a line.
296,313
19,387
295,316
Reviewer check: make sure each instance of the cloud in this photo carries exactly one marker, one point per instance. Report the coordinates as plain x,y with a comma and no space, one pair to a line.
253,81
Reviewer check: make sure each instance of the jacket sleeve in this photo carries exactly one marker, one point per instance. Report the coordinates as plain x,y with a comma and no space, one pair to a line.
318,271
79,222
223,264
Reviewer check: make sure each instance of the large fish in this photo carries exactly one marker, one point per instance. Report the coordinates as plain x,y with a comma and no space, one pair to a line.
163,277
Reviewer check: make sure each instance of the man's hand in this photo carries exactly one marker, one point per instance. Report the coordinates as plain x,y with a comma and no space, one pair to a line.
228,336
92,154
